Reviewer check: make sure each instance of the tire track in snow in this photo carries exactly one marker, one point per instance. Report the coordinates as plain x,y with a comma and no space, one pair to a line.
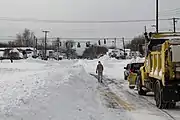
133,95
165,112
143,98
113,97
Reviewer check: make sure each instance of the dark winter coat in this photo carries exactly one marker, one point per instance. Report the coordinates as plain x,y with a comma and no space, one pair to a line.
99,68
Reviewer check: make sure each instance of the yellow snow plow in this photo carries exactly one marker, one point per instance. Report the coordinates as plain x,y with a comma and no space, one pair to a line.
161,71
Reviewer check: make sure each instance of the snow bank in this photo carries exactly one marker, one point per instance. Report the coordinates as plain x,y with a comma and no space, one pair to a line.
45,90
80,63
1,53
14,50
80,51
106,57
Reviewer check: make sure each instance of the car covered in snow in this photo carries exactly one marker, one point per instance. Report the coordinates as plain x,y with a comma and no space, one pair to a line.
12,53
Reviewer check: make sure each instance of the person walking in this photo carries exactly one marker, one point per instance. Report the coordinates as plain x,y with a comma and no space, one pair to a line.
11,56
99,71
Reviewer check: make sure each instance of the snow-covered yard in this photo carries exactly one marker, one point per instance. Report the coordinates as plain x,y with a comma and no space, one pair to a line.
64,90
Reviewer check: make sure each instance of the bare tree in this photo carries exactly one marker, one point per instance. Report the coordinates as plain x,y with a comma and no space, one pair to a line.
69,45
25,39
136,44
19,40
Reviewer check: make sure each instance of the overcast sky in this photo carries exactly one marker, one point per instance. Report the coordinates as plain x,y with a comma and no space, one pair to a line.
84,10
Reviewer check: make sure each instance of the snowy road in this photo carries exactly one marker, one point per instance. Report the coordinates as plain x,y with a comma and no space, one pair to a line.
138,107
51,90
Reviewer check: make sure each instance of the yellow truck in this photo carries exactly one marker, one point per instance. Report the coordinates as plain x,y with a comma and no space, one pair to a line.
161,71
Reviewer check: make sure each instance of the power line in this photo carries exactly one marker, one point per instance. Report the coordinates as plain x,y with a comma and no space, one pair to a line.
73,21
69,38
170,10
171,15
87,38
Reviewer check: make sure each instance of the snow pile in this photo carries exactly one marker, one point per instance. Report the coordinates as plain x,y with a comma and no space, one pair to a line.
30,54
106,57
21,65
80,63
1,53
48,90
14,50
32,60
80,51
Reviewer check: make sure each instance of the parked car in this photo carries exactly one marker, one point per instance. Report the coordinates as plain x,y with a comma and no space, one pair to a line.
131,73
56,56
12,53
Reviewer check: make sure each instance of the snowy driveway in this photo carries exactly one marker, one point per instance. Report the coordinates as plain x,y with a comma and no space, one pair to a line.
51,90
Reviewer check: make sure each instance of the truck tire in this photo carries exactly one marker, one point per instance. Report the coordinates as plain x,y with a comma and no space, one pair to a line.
170,105
139,87
158,95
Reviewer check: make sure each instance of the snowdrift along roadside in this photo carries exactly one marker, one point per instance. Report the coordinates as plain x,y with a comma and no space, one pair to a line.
49,91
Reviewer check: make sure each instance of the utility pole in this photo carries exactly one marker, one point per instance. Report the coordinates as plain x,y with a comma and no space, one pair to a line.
36,45
145,42
115,42
45,40
145,29
174,24
123,46
157,16
58,40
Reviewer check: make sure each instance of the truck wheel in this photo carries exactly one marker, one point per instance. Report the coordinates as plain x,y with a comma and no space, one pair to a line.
139,87
158,95
171,105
